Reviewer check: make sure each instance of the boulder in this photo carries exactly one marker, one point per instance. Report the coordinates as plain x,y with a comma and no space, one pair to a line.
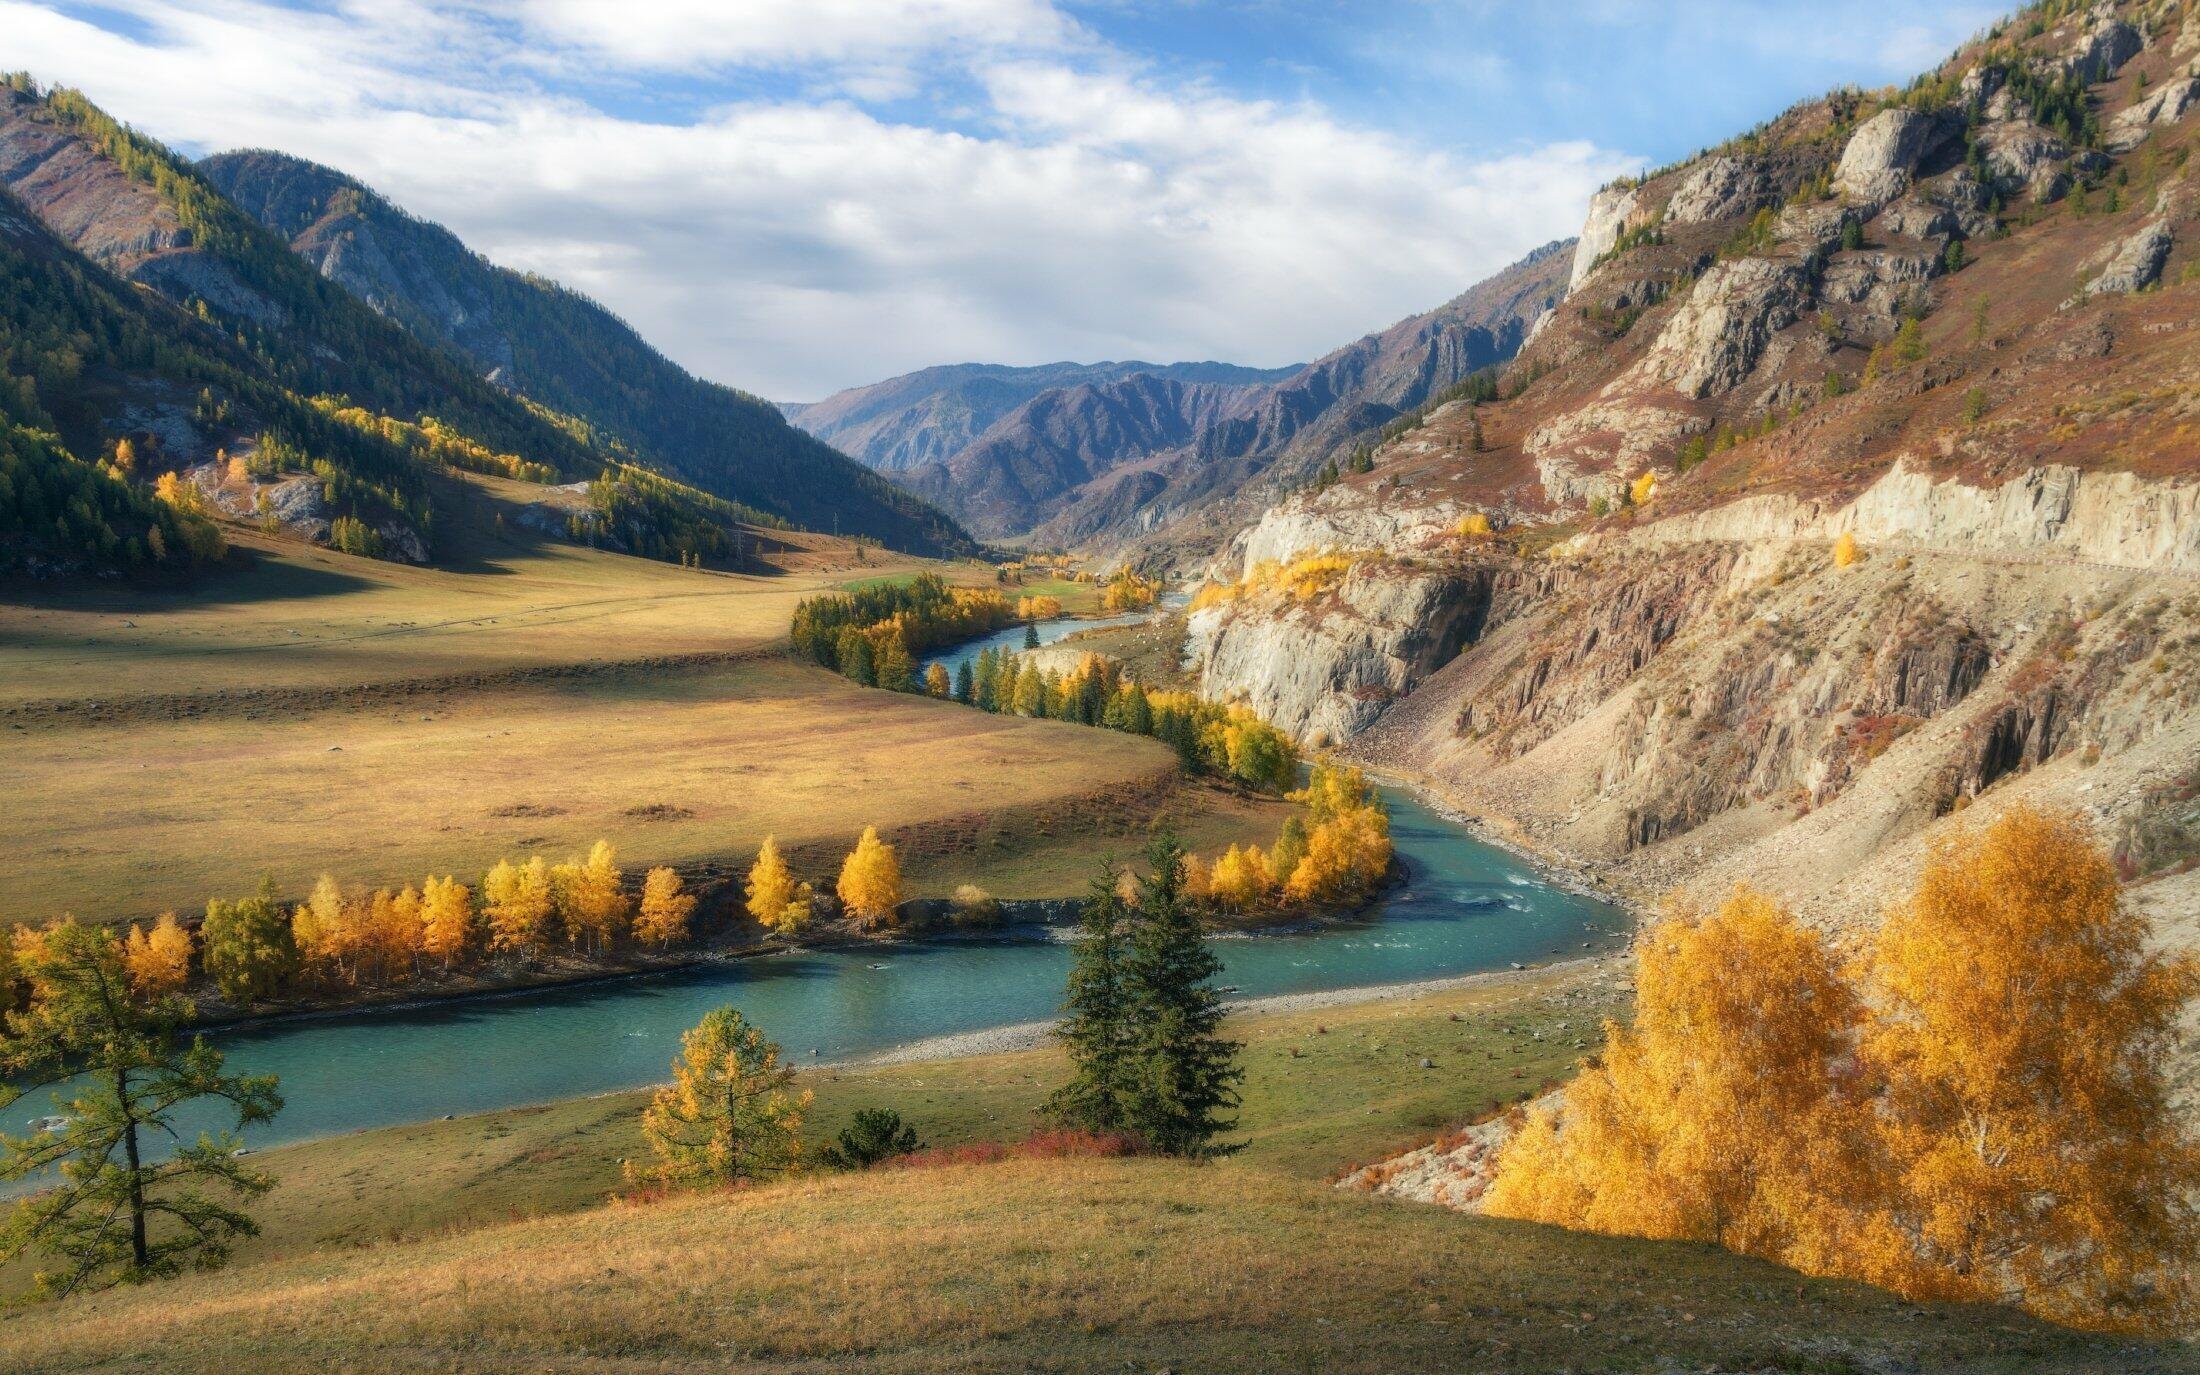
1883,154
1608,212
1720,188
2166,105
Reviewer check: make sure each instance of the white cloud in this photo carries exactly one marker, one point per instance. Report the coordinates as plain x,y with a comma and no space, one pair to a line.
799,243
691,34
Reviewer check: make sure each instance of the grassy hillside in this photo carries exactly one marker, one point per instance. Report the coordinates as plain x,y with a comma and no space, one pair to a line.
318,711
377,1258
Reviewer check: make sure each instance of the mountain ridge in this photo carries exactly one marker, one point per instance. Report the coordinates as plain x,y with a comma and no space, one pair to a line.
566,351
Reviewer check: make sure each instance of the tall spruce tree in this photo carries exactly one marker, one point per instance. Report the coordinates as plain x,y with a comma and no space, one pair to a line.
1096,1029
1184,1078
113,1215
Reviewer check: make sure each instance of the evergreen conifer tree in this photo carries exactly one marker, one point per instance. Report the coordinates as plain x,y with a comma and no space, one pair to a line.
1096,1027
1183,1076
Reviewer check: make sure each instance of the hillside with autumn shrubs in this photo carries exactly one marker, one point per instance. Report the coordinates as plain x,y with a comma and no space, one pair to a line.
1969,1104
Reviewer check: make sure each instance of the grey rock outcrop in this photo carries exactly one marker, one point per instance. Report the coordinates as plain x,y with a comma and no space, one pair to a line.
1720,188
2102,50
1325,670
2021,156
2134,263
1721,332
1608,212
2166,105
1883,154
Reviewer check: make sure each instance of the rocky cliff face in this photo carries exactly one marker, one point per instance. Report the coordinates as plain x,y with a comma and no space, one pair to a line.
1817,529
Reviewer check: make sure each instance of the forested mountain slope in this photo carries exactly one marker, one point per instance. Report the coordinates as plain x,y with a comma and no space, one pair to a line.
564,351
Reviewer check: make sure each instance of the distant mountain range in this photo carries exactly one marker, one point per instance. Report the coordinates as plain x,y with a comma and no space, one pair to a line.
1101,454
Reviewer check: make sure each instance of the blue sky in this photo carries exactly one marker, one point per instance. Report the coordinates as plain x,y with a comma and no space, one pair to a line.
799,195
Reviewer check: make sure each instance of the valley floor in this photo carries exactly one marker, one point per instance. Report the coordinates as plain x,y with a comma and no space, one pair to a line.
484,1243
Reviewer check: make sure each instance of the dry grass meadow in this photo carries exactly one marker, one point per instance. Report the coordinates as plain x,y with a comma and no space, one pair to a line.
483,1245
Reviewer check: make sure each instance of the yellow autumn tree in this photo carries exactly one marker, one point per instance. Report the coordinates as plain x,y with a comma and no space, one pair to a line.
516,899
591,898
1242,879
159,962
936,681
870,880
2022,1027
1845,551
323,931
770,887
1346,848
1727,1114
665,910
731,1112
1643,488
446,920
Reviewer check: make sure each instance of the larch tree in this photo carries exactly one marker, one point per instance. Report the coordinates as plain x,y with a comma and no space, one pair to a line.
1729,1113
592,898
1095,1026
936,681
731,1112
322,929
446,920
247,946
159,962
1184,1076
115,1215
2023,1029
870,880
770,887
666,909
517,900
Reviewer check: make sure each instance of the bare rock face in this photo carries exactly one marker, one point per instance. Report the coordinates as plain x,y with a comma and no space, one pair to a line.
2102,50
1720,188
1583,453
1919,219
1333,520
1721,332
2167,105
1883,154
1326,669
1608,212
1880,280
2021,156
2134,263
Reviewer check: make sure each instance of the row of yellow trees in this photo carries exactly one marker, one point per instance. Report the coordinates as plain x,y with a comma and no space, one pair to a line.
1336,849
258,947
1970,1105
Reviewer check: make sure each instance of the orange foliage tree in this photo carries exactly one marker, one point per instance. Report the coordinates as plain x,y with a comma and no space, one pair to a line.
2021,1027
1979,1113
665,911
159,963
870,880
